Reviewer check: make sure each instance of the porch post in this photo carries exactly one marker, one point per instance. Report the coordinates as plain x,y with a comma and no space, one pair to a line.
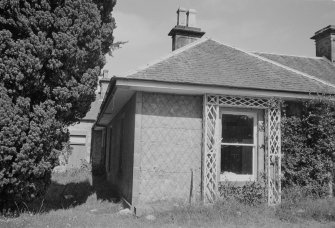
211,145
273,163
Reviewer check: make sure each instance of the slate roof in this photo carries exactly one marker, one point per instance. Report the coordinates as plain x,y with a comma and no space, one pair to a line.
95,108
208,62
317,66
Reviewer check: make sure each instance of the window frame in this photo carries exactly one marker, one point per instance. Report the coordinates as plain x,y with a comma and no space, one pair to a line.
254,145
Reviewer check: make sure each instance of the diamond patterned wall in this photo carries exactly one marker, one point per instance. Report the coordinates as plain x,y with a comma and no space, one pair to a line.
171,138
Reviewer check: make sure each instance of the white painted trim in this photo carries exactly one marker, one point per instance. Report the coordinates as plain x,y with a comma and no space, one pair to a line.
203,148
236,177
240,177
193,89
280,65
238,144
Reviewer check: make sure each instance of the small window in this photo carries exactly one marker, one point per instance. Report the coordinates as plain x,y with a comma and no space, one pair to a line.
77,139
238,146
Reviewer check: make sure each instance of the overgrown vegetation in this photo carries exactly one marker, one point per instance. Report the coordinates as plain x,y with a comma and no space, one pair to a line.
75,199
249,193
51,53
308,146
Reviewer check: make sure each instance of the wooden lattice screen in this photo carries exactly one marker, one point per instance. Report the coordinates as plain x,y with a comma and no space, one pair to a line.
212,142
273,151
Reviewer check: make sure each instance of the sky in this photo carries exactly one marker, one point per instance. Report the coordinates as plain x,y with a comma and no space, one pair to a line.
271,26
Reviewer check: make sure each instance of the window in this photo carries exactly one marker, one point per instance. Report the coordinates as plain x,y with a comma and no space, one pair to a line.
238,146
77,139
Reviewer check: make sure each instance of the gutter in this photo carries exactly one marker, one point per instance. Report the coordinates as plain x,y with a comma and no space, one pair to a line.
131,83
110,90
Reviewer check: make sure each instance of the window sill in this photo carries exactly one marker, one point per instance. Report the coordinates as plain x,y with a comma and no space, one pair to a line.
232,177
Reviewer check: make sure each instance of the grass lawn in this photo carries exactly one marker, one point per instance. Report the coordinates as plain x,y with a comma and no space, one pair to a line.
76,200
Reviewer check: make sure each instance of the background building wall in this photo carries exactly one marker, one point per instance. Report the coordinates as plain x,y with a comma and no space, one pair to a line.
80,133
80,143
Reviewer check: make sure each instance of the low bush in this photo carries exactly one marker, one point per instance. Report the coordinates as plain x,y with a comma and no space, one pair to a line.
250,193
295,194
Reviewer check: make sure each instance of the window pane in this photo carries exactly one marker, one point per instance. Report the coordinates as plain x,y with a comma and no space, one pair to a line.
236,159
237,129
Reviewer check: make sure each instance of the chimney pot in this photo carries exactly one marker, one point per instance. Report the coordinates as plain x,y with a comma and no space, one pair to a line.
103,83
181,17
191,18
105,73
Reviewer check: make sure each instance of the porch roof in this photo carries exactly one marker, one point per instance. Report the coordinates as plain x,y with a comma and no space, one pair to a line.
92,114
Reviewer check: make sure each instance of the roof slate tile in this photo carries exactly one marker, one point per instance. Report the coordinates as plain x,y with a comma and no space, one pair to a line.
319,67
212,63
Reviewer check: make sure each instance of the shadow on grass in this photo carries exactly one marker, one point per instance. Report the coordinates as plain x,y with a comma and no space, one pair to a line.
71,189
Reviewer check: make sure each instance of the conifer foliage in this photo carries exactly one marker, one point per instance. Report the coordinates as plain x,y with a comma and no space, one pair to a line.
51,53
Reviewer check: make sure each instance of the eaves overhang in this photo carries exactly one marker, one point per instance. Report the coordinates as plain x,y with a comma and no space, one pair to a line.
148,85
121,89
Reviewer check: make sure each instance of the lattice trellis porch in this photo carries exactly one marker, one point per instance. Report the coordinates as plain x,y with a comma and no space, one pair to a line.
212,142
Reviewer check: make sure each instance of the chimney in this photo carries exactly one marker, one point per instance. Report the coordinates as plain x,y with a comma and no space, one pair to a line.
105,73
103,83
186,31
325,42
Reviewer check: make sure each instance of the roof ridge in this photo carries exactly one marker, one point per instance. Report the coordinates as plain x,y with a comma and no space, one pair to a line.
300,56
280,65
171,54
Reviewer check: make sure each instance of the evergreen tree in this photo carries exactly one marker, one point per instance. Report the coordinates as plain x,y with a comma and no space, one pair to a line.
51,53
